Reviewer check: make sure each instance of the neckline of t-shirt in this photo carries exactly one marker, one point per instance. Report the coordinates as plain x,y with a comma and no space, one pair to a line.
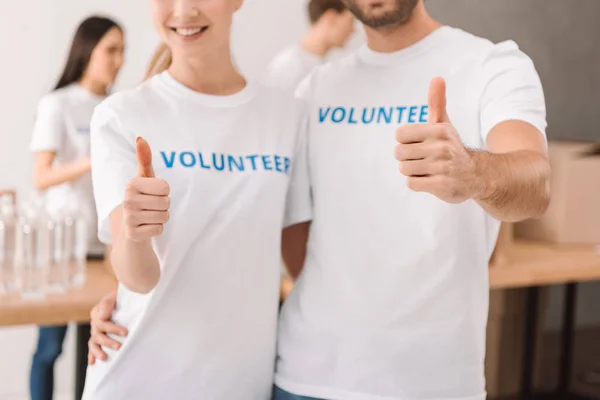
370,56
85,92
166,80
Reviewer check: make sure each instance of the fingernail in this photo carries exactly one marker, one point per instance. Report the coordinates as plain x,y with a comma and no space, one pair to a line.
123,333
115,347
137,139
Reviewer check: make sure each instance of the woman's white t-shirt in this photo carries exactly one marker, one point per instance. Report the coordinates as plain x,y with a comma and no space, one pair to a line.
208,330
62,126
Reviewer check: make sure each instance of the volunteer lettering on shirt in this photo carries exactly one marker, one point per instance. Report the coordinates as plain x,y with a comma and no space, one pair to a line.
374,115
227,162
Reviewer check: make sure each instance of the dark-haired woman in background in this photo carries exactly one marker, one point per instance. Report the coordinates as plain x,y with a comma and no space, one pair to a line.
61,144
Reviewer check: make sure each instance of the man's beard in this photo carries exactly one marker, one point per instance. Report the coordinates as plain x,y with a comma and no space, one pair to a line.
401,13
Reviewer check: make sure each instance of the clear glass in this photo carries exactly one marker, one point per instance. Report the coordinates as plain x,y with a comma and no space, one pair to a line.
8,244
8,238
57,278
29,267
80,249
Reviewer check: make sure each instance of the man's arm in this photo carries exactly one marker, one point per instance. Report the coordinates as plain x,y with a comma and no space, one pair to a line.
293,247
511,180
514,174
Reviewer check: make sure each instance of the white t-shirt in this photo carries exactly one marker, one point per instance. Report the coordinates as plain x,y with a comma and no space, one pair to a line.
208,330
392,302
290,67
62,125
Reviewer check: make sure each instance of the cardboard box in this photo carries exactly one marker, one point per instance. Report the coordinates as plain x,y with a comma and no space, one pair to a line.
574,213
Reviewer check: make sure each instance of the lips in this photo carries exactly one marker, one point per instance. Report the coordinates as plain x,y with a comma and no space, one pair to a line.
189,31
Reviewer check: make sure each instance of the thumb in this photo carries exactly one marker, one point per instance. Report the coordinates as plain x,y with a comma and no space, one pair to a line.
144,158
437,101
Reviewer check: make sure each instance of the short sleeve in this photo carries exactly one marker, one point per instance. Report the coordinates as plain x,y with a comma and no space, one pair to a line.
298,207
512,89
304,89
49,128
113,165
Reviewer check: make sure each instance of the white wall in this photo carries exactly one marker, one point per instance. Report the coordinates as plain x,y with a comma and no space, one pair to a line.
34,38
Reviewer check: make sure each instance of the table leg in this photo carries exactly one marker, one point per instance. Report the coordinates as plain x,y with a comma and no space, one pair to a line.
567,335
83,335
531,307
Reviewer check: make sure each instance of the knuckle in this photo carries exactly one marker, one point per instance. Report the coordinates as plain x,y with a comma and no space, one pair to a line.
442,132
163,187
398,152
444,151
129,219
128,203
399,134
131,186
167,202
403,169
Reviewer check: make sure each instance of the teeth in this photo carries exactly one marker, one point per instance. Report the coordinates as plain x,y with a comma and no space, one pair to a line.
188,32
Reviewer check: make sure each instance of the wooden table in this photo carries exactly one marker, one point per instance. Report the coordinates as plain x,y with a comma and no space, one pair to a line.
60,309
532,266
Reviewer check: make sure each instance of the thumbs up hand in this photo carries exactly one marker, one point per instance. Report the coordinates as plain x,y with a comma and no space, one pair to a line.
146,204
433,157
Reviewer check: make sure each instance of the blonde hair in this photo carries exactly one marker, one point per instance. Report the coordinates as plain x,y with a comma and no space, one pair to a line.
160,62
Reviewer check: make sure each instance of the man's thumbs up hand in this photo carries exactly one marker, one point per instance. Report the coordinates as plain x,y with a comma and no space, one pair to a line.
432,156
146,204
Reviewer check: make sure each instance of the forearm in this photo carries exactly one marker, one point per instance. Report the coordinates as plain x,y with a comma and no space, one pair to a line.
135,264
512,186
293,248
53,176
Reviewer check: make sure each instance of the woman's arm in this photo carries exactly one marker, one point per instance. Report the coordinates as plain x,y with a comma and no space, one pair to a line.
133,224
46,175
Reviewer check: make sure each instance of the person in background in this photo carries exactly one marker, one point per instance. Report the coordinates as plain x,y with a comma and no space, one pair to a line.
331,27
61,145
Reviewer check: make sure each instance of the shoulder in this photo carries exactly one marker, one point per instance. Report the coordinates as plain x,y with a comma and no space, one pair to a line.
55,101
127,100
128,105
485,51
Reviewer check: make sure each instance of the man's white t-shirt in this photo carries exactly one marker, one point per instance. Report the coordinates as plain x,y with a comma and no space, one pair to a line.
290,67
208,330
62,126
392,302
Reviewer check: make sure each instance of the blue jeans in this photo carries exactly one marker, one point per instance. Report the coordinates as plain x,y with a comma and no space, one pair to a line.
280,394
49,347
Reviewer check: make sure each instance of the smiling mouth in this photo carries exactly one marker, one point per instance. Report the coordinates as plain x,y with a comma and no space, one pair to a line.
190,32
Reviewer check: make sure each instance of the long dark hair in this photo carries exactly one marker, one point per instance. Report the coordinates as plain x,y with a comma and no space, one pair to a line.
86,38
